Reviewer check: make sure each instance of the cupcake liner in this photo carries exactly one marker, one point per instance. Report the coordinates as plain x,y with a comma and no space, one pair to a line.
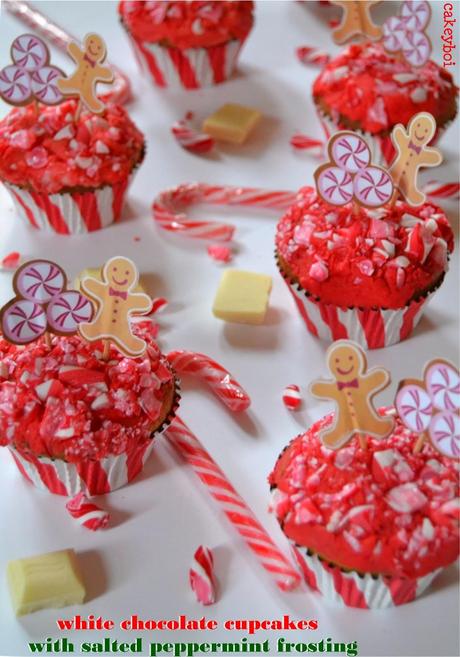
382,149
70,213
351,589
371,328
189,68
97,477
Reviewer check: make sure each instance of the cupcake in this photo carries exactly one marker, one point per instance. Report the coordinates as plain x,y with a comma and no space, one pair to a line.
67,174
187,44
367,90
358,273
369,528
74,422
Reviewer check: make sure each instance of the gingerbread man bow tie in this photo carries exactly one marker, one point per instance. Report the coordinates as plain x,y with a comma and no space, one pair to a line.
347,384
117,293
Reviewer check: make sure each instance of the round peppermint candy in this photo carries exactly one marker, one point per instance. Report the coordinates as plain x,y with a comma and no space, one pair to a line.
23,321
443,385
29,52
373,187
40,281
44,85
67,310
445,433
415,14
350,152
416,48
394,31
414,407
15,88
335,185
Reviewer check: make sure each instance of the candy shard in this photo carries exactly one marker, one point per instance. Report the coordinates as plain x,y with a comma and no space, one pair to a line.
45,581
232,123
242,297
201,576
406,498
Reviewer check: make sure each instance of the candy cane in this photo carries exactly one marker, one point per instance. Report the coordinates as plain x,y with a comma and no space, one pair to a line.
189,138
120,91
221,382
233,506
305,143
438,189
308,55
168,204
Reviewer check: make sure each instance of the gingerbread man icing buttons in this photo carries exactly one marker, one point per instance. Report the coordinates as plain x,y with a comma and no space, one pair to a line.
412,152
89,71
356,20
116,304
352,389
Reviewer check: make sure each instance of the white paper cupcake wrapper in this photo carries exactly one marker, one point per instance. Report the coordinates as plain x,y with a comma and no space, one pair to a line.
190,68
351,589
70,213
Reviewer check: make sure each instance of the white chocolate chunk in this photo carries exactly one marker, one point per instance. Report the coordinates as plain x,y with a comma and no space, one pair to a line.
242,297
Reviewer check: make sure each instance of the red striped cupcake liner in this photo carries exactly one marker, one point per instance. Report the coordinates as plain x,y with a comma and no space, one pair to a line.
189,68
97,477
381,146
72,212
371,328
351,589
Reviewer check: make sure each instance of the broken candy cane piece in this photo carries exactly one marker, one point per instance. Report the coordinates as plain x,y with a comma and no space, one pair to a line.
11,261
308,55
87,513
291,397
201,576
305,143
220,253
189,138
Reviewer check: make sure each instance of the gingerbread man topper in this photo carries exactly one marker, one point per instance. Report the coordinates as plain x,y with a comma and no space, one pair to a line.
356,21
412,153
117,303
405,33
349,175
89,72
431,407
42,304
30,76
352,388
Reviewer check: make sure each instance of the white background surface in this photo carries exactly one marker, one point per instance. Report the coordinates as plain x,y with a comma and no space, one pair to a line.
140,564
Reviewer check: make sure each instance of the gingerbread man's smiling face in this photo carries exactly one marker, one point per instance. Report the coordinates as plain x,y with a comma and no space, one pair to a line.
345,363
95,47
422,129
120,274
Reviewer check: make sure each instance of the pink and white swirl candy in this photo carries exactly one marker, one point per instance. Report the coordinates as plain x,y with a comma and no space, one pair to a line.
414,407
201,576
394,31
373,187
67,310
335,185
416,48
40,281
443,385
445,433
23,321
44,85
87,513
350,152
29,52
416,14
15,87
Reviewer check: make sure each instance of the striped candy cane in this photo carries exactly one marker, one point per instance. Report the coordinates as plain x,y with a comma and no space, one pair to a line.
221,382
168,205
308,55
305,143
436,189
120,91
232,504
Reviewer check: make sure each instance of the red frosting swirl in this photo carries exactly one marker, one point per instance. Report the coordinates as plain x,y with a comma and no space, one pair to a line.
383,510
66,402
49,151
187,24
366,88
384,257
